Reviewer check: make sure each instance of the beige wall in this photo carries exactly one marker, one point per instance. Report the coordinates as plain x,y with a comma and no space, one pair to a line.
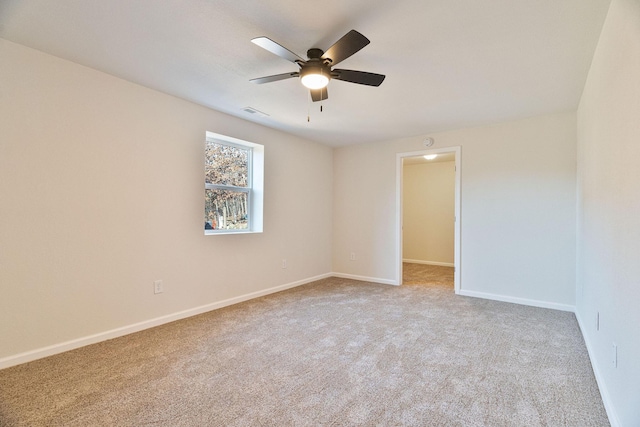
609,212
101,185
428,212
517,209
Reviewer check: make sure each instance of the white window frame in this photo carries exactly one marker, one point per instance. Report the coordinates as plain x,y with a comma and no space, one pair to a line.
255,188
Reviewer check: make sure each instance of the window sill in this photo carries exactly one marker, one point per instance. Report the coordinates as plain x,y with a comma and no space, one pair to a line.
225,232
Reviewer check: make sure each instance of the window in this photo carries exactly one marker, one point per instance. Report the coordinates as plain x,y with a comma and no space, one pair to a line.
233,185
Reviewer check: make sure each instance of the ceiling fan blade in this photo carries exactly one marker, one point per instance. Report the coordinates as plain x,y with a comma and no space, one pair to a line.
349,44
360,77
319,94
275,48
275,78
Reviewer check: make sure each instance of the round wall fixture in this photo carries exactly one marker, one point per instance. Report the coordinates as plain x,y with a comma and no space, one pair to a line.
428,142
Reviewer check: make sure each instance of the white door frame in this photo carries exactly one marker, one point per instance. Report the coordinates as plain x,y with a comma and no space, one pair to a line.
399,213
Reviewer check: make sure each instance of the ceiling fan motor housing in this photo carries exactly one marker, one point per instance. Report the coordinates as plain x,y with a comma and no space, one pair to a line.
315,66
315,53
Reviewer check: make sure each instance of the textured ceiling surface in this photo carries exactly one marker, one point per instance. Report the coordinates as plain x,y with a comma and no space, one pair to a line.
449,64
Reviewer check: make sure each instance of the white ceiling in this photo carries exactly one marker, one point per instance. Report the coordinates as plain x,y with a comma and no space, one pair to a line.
449,63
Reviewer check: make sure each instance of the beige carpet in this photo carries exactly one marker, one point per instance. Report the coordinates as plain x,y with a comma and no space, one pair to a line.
431,275
331,353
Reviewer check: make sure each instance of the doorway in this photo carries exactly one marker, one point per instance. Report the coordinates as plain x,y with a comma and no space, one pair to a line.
444,249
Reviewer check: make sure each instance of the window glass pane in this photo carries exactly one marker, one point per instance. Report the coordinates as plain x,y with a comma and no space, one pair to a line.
225,210
226,165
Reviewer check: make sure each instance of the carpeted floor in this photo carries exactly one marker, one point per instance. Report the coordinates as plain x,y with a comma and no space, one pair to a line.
331,353
429,275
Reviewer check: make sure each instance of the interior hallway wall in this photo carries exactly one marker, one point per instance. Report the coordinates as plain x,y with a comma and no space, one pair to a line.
428,212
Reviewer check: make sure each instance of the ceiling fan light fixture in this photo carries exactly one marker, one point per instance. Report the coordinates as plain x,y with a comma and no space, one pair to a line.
314,78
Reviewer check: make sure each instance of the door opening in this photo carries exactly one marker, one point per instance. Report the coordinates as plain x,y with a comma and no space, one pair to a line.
427,211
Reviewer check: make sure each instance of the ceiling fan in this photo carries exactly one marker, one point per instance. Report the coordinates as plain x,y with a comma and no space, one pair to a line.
316,71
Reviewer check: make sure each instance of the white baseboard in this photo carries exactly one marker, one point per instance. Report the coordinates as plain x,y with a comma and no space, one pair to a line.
365,279
604,392
418,261
39,353
516,300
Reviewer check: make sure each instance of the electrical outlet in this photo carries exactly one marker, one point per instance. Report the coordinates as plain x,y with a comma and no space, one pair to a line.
158,288
284,263
352,257
614,355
